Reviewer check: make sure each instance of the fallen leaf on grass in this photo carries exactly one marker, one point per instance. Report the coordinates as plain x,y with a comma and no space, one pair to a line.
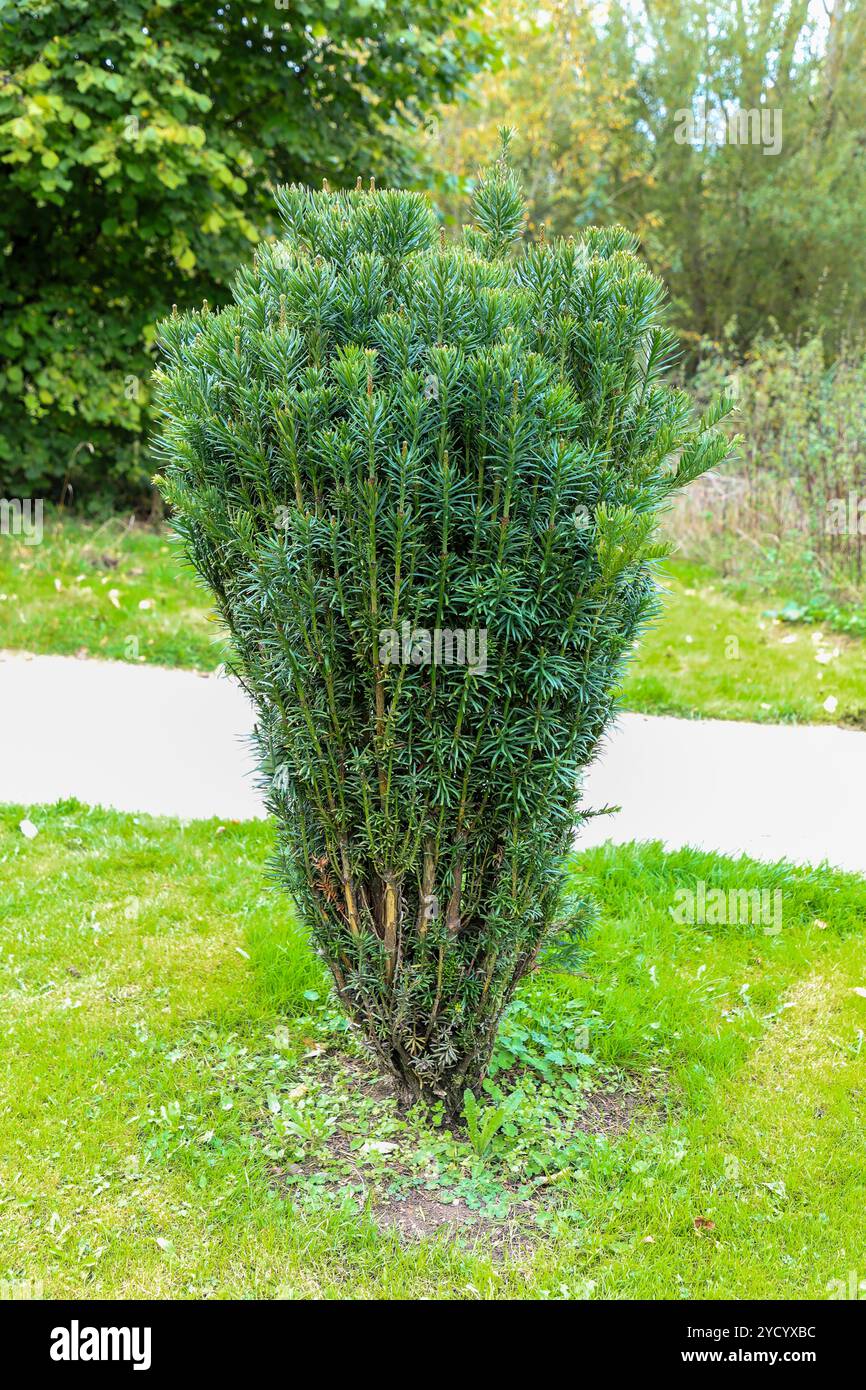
378,1146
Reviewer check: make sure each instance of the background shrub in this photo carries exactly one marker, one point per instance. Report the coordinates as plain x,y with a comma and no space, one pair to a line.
793,508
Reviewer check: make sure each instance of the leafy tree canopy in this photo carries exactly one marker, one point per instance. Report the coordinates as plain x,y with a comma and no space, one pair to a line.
139,142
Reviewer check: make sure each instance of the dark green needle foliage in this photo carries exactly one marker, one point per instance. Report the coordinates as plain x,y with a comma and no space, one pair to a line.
422,480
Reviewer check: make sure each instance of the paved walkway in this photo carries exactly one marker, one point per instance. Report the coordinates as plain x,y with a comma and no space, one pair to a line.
142,738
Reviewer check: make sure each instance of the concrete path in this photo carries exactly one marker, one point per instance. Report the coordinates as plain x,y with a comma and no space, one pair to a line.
142,738
112,733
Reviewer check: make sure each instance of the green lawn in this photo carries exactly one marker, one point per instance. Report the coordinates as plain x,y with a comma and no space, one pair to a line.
114,590
183,1113
719,656
122,593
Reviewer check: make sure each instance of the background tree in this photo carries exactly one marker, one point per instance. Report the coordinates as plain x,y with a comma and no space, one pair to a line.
740,236
574,146
138,141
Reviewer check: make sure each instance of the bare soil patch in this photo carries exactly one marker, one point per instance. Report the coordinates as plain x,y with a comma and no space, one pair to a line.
413,1211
